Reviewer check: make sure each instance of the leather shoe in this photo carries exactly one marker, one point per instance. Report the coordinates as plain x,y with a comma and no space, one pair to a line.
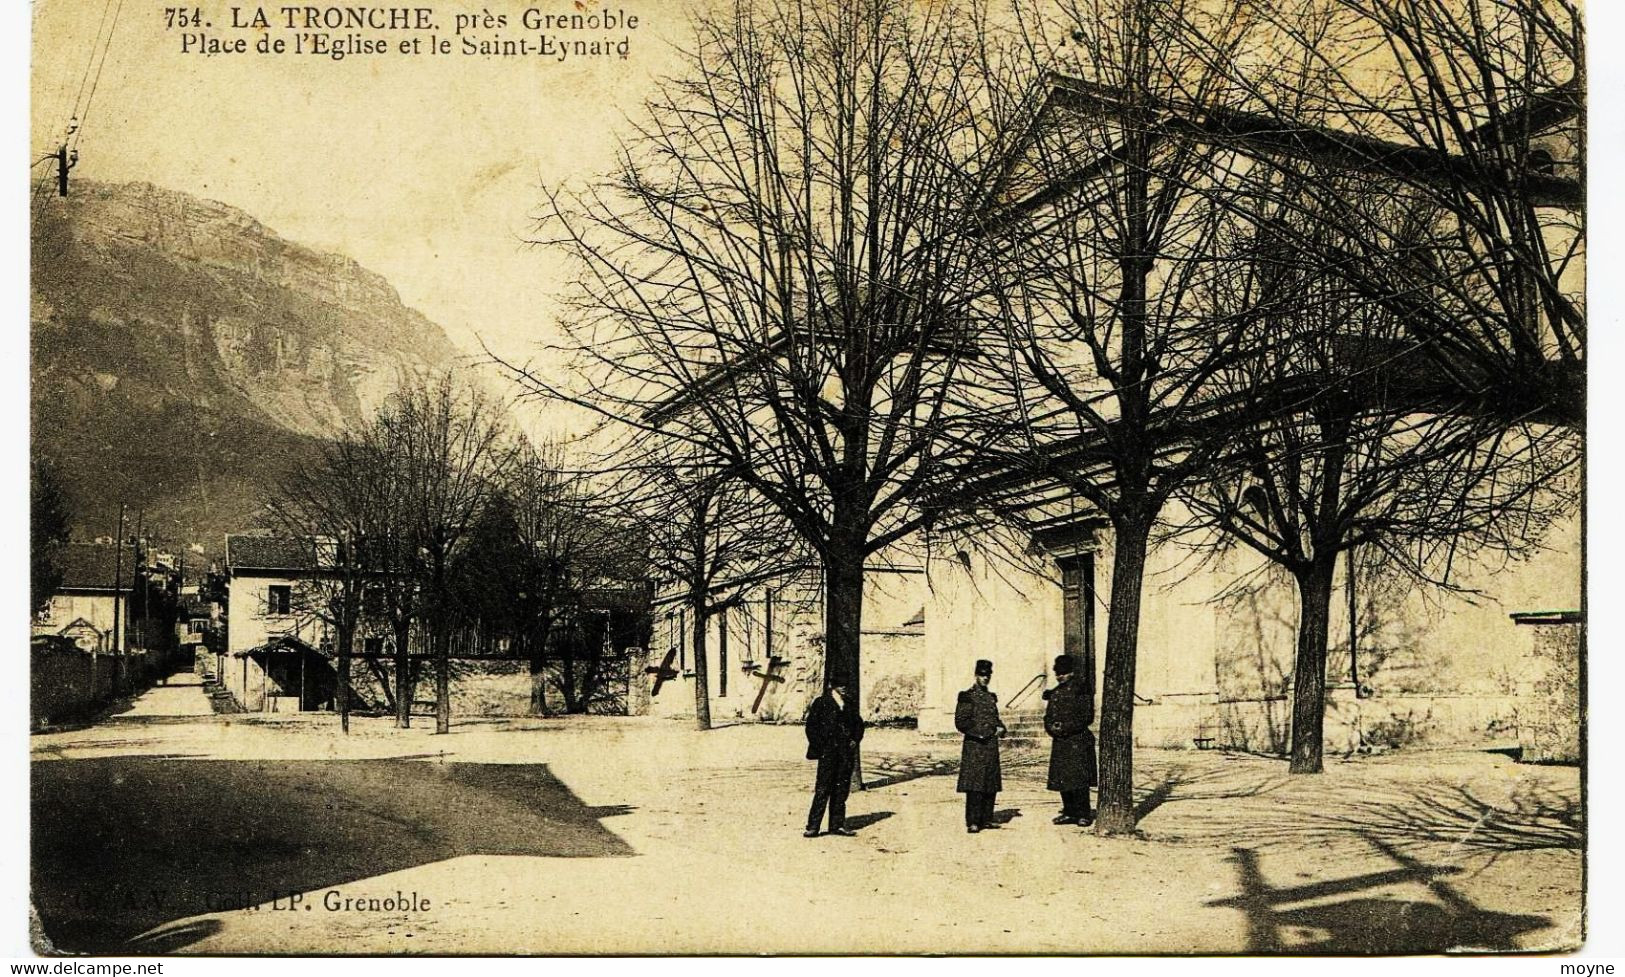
1064,819
973,828
843,832
812,833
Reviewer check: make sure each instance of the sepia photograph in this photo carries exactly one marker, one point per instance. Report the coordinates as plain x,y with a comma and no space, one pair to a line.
807,477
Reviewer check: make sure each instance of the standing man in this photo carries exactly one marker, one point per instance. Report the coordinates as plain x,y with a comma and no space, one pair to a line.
977,716
833,734
1072,749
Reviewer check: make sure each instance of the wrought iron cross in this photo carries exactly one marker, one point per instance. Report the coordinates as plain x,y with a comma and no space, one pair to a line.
768,676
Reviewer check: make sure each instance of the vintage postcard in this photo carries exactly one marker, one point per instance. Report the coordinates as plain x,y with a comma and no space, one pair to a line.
807,477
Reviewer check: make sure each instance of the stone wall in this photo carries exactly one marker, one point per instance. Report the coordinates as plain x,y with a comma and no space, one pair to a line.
67,684
1353,724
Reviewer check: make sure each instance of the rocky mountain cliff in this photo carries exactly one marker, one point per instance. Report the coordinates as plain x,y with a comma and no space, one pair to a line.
184,355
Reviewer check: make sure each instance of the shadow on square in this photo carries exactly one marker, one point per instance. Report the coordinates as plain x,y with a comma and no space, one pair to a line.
1367,921
124,845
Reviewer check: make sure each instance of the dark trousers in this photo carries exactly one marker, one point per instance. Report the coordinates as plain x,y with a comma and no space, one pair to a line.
833,784
979,808
1075,804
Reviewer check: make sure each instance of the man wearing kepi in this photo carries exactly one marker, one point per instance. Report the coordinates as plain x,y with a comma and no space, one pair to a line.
1072,749
833,734
977,716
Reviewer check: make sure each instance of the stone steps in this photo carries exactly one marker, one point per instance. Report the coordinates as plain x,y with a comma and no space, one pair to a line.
1026,728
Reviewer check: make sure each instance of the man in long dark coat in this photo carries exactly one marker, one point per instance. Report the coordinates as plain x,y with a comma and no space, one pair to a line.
1072,747
834,731
977,716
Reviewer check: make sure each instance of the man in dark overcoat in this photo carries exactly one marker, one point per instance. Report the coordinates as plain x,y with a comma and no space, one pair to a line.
834,731
977,716
1072,747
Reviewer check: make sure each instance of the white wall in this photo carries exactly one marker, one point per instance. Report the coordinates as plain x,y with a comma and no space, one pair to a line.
1195,650
249,621
889,649
96,609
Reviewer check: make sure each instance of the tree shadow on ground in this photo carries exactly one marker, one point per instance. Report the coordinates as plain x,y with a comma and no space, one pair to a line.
889,770
124,844
1371,921
1432,814
1179,782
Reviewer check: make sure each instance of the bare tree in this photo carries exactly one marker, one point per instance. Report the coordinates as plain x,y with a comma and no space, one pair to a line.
335,512
447,446
552,527
769,278
541,552
1355,447
1106,234
714,537
519,579
1471,109
1436,335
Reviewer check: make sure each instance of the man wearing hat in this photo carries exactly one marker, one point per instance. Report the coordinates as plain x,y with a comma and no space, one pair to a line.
977,716
1072,748
833,734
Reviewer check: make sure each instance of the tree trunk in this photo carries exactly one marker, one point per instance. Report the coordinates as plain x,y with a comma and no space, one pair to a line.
843,618
403,675
442,682
346,644
538,683
1116,814
843,624
567,674
1309,670
702,681
383,681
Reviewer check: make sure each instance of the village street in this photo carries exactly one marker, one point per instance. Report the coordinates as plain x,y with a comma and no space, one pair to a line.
164,829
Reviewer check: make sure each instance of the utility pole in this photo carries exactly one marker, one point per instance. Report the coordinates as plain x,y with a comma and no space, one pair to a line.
66,159
178,648
349,615
118,581
138,573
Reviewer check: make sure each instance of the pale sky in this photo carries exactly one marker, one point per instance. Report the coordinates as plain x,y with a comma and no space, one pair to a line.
424,169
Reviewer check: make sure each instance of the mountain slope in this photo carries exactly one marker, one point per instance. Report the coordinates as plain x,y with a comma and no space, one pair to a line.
185,356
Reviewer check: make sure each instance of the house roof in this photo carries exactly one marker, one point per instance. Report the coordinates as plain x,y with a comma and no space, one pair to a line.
1262,133
259,551
92,566
281,644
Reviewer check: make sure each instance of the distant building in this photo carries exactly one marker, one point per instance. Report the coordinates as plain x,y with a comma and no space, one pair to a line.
92,605
271,660
279,655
